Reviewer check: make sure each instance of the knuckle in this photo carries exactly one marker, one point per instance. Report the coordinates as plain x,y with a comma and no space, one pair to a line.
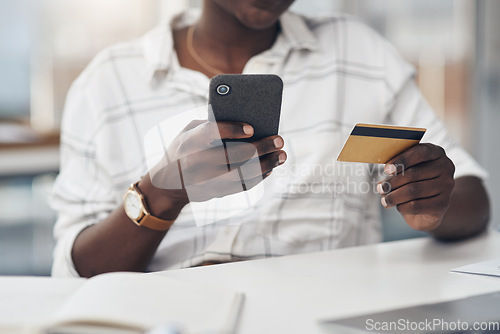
414,190
402,163
446,166
425,149
414,174
451,166
439,150
434,151
452,183
449,183
413,206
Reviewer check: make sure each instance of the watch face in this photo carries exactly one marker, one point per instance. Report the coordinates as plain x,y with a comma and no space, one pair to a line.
133,205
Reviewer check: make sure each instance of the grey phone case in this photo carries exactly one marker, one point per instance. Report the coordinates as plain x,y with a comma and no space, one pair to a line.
252,98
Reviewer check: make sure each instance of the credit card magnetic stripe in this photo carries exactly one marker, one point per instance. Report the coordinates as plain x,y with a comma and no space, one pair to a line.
387,133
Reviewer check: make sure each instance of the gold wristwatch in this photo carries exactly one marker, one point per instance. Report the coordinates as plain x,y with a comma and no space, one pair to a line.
136,209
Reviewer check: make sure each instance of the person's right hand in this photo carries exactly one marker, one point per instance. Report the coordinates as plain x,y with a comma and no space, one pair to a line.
198,166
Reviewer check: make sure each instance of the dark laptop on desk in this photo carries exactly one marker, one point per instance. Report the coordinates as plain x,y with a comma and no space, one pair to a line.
478,314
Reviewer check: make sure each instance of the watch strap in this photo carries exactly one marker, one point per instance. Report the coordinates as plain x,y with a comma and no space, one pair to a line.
149,220
154,223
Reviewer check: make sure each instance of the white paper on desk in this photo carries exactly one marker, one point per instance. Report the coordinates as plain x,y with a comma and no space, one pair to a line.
489,268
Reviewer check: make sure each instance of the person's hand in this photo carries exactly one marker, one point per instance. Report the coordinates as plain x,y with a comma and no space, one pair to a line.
420,185
198,166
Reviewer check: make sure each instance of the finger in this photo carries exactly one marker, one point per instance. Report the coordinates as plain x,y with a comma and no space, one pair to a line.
188,141
166,175
273,160
193,124
210,164
206,135
198,174
216,189
413,156
217,159
238,152
425,206
213,132
412,191
262,165
424,171
255,167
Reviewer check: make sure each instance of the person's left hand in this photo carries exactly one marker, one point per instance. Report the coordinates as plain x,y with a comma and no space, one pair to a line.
420,185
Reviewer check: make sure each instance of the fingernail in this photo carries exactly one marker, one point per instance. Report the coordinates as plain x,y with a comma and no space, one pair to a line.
248,129
390,169
384,202
282,158
278,142
380,189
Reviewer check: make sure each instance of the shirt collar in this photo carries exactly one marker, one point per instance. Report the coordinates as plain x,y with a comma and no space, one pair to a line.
298,35
158,44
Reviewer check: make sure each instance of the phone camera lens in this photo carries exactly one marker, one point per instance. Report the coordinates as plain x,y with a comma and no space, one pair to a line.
223,89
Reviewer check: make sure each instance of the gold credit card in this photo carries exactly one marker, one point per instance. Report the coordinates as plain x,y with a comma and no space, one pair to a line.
377,144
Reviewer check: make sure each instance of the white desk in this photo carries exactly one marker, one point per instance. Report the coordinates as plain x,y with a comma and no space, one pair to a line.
290,294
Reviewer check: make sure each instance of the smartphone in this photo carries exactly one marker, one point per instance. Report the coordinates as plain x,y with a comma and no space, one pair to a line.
254,99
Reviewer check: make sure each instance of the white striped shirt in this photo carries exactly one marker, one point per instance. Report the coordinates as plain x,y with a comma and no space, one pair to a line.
336,72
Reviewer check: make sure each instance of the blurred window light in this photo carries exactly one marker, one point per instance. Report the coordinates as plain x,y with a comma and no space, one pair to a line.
14,58
45,44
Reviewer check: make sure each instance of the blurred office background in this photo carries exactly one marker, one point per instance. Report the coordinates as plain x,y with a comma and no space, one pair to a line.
45,44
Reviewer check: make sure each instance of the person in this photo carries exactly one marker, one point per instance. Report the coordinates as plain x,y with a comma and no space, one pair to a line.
336,72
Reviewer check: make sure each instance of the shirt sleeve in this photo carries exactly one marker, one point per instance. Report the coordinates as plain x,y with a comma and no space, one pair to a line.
82,194
407,107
